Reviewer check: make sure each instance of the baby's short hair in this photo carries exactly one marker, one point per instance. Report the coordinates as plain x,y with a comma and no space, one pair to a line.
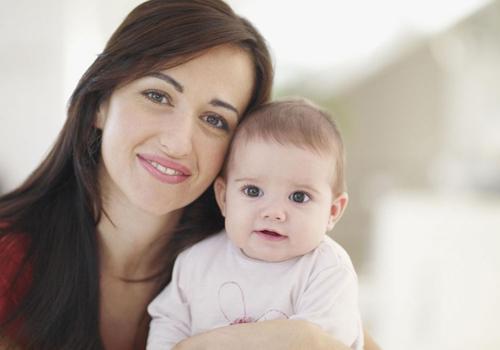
296,122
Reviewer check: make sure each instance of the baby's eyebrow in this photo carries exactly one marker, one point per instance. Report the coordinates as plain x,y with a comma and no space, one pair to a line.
245,179
305,187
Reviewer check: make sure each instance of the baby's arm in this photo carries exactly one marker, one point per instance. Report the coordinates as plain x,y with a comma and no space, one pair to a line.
331,301
170,320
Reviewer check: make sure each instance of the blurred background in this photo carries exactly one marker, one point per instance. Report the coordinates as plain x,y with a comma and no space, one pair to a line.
415,88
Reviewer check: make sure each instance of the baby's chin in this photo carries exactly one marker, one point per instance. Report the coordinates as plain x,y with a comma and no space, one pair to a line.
269,256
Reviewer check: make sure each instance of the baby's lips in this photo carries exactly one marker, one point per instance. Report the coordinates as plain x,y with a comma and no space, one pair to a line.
271,233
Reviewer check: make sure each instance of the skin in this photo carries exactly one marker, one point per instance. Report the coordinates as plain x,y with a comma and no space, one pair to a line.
143,210
269,189
275,335
370,343
185,118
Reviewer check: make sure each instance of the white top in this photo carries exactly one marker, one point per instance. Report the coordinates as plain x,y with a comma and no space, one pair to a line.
214,285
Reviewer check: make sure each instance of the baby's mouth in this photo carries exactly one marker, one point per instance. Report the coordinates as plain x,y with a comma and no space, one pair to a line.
271,235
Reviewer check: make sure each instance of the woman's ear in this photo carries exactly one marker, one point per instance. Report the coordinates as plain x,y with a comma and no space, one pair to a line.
220,194
100,118
337,209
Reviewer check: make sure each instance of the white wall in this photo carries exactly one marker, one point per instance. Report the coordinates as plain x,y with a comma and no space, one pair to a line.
435,271
45,46
31,101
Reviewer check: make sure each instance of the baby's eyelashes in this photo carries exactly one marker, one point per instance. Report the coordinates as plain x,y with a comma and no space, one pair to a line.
300,197
252,191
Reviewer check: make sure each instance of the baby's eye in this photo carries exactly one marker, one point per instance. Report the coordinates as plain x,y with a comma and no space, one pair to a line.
216,121
158,97
299,197
252,191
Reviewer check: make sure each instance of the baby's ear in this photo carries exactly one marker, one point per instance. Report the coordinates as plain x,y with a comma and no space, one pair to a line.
337,209
220,194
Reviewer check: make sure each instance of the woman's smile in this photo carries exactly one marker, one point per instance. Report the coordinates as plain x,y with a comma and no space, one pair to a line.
163,169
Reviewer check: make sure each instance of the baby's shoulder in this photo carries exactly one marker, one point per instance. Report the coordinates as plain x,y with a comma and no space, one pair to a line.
205,249
330,254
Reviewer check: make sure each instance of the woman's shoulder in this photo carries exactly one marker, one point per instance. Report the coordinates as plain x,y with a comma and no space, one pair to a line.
15,273
13,243
13,249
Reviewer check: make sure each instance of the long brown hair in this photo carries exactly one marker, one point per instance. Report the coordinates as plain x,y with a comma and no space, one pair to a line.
59,205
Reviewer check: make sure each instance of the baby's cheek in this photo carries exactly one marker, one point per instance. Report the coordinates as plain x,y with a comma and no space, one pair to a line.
235,231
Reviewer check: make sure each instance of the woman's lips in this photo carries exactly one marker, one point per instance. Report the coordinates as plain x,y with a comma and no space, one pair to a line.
163,169
270,235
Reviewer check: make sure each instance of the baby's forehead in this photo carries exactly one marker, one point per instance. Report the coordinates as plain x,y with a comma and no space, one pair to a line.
294,123
243,141
247,153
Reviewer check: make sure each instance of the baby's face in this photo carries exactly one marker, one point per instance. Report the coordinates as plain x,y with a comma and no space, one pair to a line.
277,200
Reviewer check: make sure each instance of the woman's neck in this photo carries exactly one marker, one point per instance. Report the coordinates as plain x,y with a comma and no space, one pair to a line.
131,240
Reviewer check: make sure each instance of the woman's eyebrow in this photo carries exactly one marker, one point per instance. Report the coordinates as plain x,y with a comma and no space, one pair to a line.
219,103
178,86
168,79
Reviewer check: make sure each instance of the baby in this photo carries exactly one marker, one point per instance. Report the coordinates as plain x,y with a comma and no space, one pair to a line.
282,188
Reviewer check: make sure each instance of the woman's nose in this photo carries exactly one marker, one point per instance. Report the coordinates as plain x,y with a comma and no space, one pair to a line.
177,138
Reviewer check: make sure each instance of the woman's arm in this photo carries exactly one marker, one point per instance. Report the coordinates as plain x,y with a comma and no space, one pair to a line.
370,343
6,344
273,335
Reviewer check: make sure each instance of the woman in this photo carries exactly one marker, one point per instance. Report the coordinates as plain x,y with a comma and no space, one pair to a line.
90,237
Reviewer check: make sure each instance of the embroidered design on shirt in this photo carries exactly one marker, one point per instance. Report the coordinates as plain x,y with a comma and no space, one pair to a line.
226,305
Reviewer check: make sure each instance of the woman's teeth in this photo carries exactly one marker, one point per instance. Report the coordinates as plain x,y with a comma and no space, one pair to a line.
164,170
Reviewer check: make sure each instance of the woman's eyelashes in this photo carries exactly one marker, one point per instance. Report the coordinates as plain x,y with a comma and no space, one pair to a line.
158,97
216,121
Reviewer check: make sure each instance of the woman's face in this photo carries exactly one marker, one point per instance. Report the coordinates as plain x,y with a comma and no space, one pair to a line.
165,135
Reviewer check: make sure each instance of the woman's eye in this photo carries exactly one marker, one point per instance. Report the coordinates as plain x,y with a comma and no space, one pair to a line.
252,191
216,121
158,97
299,197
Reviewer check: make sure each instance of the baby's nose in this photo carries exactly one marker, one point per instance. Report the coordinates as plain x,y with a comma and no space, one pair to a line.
274,213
